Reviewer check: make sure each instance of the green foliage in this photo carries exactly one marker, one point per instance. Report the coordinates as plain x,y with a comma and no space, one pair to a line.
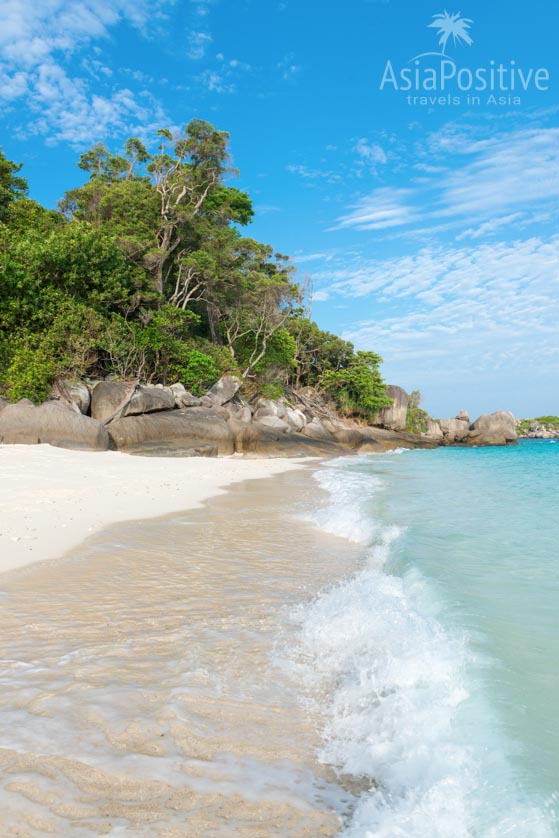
12,185
144,274
198,373
66,347
416,418
316,351
358,389
152,348
230,204
271,389
549,422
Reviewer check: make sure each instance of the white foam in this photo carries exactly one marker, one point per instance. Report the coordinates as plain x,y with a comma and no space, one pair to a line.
392,686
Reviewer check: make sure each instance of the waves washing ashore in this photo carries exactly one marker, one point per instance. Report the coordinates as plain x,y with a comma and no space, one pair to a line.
404,712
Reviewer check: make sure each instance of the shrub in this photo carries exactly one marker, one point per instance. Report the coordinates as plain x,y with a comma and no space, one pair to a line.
358,389
416,418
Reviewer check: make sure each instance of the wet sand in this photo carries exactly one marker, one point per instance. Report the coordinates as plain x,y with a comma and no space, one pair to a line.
144,689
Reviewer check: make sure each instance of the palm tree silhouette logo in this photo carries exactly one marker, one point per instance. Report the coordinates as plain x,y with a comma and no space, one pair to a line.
450,26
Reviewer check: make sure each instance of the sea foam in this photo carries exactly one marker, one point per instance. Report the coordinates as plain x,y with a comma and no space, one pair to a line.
391,684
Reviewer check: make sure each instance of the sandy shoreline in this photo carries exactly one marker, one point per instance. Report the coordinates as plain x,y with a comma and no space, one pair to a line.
51,499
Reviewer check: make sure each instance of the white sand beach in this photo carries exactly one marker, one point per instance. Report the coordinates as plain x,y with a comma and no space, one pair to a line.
51,499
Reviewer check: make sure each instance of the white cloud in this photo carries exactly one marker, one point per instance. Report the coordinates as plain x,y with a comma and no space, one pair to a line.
288,68
371,153
215,82
313,174
479,184
383,208
201,7
37,39
198,42
507,171
472,310
488,228
312,257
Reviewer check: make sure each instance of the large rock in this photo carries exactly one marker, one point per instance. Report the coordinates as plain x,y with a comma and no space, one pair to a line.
75,393
238,409
464,416
274,422
223,391
269,407
296,419
110,398
356,439
316,430
262,441
51,423
394,416
181,430
454,430
182,397
3,403
434,430
497,428
389,440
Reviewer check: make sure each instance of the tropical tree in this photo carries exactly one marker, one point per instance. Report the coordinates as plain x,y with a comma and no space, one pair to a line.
451,25
12,185
184,173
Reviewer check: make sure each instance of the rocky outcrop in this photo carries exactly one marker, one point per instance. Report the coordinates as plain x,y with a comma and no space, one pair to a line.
538,429
463,416
388,440
170,421
52,423
394,417
185,430
434,430
238,409
497,428
274,422
222,391
295,418
269,407
454,430
262,441
182,397
316,430
114,398
73,393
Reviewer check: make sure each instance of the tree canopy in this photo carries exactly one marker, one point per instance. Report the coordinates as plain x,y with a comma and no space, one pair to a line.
144,272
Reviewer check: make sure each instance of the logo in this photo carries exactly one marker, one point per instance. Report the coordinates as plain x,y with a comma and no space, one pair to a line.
450,26
435,78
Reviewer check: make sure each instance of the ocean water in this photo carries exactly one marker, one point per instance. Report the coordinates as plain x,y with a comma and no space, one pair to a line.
435,667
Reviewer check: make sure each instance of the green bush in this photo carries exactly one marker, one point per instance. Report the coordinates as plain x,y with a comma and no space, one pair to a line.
358,389
416,418
67,347
199,373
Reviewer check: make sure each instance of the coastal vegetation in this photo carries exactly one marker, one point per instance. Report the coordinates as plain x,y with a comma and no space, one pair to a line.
417,419
145,273
539,427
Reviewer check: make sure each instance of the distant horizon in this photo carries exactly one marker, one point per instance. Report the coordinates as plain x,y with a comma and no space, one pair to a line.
428,231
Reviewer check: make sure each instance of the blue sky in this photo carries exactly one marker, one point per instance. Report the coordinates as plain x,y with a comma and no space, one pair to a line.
429,230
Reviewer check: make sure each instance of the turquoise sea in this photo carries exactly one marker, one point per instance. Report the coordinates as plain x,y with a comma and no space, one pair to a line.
438,661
